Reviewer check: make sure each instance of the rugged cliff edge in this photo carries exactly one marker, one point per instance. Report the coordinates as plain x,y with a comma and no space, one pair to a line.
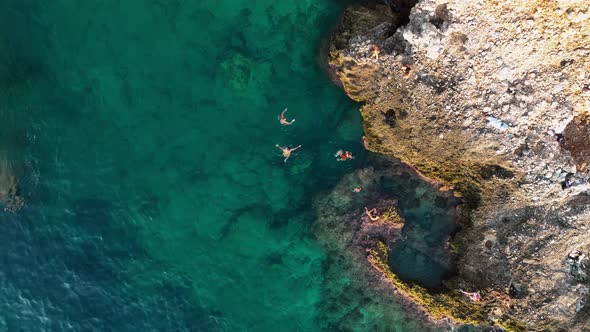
491,99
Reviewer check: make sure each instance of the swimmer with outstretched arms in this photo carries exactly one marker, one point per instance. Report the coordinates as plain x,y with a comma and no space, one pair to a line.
283,119
287,151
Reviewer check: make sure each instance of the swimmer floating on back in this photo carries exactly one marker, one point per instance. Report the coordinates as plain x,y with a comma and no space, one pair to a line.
287,151
357,189
343,155
283,119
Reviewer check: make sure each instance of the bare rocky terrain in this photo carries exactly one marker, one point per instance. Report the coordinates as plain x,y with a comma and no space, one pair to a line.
492,100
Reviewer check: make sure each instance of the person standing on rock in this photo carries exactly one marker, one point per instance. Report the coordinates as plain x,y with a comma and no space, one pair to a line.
283,119
370,213
287,151
375,52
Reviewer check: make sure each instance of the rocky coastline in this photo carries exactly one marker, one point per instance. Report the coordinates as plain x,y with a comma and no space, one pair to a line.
489,99
346,231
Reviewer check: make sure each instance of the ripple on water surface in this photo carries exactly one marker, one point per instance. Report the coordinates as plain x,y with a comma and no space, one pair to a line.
155,197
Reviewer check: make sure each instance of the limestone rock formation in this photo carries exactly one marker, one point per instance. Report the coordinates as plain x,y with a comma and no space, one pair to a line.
361,243
492,99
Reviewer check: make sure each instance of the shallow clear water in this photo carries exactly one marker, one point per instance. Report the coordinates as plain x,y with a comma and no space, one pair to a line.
143,134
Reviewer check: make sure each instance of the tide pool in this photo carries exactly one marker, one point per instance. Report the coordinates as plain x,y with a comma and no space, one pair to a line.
142,135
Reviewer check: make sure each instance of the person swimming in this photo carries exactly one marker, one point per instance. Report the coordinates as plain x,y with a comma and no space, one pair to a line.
357,189
283,119
287,151
343,155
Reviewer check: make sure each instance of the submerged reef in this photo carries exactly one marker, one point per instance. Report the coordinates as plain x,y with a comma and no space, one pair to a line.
365,240
489,99
9,198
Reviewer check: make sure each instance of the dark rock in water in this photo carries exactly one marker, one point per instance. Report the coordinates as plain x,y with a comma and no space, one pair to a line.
274,258
411,202
441,202
10,200
369,231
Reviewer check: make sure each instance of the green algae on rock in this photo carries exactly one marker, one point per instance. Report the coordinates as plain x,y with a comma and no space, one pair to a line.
346,231
448,305
478,96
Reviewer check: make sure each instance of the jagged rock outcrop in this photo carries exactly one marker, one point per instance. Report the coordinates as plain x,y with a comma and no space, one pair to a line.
362,244
490,98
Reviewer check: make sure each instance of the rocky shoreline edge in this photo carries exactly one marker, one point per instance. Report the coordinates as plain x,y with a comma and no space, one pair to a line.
489,99
344,229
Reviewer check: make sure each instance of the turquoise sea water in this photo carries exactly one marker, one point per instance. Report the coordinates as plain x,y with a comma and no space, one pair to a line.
142,135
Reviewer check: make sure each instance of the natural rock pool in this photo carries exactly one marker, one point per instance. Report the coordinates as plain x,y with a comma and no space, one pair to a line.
142,135
422,256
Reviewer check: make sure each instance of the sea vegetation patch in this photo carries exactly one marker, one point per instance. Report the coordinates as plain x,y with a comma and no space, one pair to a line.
448,305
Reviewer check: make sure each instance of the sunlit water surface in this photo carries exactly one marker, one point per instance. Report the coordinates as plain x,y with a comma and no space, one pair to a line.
143,134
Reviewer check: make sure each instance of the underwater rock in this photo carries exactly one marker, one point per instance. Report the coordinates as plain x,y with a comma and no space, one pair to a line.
348,228
495,102
8,188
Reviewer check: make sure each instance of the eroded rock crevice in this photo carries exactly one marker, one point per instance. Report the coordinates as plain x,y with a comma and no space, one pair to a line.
385,229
